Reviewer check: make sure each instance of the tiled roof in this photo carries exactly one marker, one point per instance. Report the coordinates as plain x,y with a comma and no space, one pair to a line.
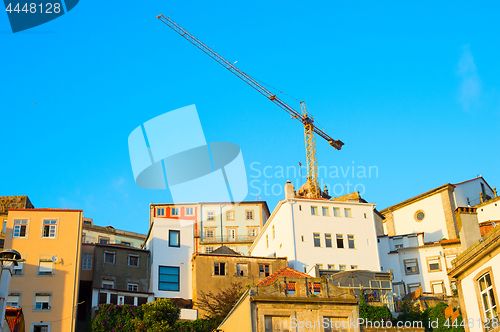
223,250
451,241
283,272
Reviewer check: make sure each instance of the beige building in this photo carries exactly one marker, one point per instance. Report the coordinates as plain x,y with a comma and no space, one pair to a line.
45,286
11,202
217,270
475,272
109,235
290,300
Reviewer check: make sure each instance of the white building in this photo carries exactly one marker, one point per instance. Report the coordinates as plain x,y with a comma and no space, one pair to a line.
218,223
337,235
415,264
433,211
489,210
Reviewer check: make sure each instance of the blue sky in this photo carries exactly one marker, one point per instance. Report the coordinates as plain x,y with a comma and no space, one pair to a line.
412,89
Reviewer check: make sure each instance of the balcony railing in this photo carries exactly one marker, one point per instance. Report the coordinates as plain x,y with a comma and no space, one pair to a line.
228,239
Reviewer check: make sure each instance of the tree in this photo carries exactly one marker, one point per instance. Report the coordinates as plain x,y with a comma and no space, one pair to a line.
159,315
217,306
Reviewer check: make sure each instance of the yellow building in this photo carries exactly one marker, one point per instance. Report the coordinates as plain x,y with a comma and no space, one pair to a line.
45,286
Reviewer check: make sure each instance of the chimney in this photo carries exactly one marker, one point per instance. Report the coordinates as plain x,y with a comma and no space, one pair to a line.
468,226
495,191
289,190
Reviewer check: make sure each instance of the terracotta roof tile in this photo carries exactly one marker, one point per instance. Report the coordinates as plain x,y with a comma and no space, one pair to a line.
283,272
449,241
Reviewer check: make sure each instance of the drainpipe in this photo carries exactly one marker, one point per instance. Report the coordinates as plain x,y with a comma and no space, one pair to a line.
221,229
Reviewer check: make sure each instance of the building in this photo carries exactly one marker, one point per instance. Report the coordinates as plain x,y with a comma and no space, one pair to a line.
110,235
120,275
171,243
290,300
222,267
415,264
475,272
333,234
433,211
489,210
218,223
11,202
46,284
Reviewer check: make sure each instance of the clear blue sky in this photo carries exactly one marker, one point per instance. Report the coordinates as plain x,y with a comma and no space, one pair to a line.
411,88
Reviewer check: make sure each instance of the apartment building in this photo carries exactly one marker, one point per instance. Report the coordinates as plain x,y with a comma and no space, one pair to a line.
45,286
331,234
110,235
218,223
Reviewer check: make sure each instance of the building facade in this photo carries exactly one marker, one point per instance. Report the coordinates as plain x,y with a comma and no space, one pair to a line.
46,284
110,235
336,235
219,223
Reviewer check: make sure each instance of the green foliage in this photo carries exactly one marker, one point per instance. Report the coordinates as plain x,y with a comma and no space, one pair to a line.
436,315
373,313
199,325
411,313
156,316
115,318
217,306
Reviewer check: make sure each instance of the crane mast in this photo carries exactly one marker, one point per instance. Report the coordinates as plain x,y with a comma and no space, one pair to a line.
309,128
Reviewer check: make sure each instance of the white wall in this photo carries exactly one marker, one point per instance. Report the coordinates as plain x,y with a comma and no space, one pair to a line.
489,211
162,254
471,190
434,223
469,293
290,227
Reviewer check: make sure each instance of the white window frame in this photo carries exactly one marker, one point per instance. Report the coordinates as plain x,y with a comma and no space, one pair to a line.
51,226
210,215
45,267
19,227
14,297
108,282
314,211
249,215
210,233
174,211
337,212
39,298
209,249
327,209
230,215
189,211
133,285
86,258
348,212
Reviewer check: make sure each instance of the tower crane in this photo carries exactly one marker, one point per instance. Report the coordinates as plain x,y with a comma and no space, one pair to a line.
307,120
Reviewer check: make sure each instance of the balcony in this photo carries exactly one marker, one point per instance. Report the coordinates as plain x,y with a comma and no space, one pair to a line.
227,239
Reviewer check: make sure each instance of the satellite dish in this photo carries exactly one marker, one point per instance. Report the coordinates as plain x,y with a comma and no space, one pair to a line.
55,259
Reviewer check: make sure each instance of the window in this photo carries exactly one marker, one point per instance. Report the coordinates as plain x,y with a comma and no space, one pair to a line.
342,267
328,240
20,228
302,237
433,264
354,267
274,234
320,266
242,270
331,266
168,278
103,240
45,267
230,215
87,262
219,269
411,266
267,241
413,287
19,269
317,240
189,211
175,211
437,287
276,323
133,260
252,231
249,214
364,215
133,287
210,215
14,300
125,243
49,228
347,213
231,234
332,324
300,207
350,241
340,241
174,238
108,284
160,212
263,270
487,294
4,226
398,243
209,232
336,212
208,250
109,257
314,210
41,328
419,215
399,289
42,301
326,211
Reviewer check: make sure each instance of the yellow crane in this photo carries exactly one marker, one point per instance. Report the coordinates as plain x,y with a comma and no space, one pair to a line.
309,128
